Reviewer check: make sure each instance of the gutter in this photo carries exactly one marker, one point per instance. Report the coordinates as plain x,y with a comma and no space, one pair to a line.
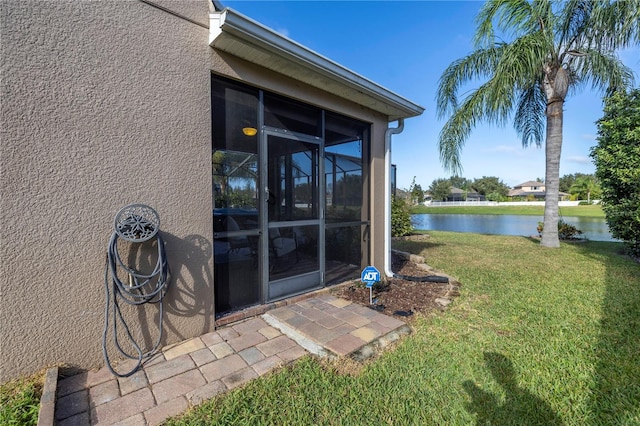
239,35
387,194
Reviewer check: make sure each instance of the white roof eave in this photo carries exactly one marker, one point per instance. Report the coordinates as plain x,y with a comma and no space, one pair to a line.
241,36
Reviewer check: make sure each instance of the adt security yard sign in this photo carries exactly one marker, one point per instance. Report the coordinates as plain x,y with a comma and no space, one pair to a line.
370,276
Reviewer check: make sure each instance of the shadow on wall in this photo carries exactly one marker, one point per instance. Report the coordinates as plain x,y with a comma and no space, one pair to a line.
519,406
191,286
189,294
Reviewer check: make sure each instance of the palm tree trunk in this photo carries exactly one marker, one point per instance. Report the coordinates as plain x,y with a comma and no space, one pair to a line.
553,147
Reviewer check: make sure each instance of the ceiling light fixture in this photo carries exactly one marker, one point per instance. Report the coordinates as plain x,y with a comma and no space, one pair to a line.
249,131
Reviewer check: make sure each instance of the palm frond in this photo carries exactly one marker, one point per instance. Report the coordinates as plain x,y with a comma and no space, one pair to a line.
485,33
511,17
543,18
476,66
480,105
615,24
525,58
529,116
574,22
604,70
452,138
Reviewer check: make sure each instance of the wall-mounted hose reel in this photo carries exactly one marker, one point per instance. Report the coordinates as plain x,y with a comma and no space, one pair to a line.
136,223
139,225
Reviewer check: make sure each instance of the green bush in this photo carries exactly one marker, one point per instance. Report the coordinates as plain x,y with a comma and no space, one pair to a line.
566,231
495,196
617,160
400,218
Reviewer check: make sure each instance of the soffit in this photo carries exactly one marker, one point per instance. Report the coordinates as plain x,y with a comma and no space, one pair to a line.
241,36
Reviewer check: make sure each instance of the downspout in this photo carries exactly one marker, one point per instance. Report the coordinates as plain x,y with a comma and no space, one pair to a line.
387,194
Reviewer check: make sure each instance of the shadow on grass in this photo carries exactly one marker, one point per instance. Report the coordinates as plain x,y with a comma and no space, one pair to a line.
519,406
615,396
413,246
533,239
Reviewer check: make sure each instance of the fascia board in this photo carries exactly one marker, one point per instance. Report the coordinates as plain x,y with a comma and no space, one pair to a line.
241,36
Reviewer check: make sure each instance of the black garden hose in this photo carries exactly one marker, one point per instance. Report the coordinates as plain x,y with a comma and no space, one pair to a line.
141,289
425,279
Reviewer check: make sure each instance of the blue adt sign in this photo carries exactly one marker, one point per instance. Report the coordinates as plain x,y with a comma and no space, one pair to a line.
370,275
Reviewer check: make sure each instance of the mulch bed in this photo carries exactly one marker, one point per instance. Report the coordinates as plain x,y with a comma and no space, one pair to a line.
403,298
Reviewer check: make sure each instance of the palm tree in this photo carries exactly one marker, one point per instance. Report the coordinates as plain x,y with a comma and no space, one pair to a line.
586,186
556,48
226,165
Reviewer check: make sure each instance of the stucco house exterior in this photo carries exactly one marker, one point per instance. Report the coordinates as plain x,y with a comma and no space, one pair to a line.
534,189
267,163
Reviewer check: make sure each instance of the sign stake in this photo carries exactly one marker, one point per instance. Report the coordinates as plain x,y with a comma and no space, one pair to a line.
370,276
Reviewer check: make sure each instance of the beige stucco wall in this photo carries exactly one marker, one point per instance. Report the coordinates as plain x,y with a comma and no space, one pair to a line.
106,103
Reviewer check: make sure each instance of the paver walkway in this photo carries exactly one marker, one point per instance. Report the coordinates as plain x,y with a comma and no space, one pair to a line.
190,372
329,326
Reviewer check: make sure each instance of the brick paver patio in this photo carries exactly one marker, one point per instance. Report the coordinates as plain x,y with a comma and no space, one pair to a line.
198,369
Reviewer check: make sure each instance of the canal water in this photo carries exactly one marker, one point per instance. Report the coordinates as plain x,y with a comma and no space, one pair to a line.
594,229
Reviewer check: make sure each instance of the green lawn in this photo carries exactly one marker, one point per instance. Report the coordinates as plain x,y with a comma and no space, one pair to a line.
20,401
537,337
582,211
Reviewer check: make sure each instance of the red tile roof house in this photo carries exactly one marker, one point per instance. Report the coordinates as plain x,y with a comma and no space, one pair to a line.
266,163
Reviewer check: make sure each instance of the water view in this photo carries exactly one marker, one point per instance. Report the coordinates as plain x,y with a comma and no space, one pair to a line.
594,229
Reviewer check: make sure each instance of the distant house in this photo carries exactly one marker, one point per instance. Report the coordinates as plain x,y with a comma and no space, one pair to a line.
534,189
457,194
529,188
475,196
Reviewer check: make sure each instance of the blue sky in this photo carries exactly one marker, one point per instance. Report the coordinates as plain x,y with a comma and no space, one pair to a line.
405,46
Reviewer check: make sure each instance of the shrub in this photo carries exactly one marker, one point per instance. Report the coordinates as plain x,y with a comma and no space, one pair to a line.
400,218
495,196
617,160
566,231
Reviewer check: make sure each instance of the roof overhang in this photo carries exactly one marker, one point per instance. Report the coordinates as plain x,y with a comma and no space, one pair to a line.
234,33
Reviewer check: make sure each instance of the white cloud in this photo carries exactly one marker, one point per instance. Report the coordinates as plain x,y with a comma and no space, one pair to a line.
589,136
579,159
283,32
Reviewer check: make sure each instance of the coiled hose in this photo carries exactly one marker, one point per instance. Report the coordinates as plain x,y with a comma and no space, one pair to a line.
140,290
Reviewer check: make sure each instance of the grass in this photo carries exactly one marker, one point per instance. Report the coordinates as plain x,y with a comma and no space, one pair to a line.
581,211
537,337
20,401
